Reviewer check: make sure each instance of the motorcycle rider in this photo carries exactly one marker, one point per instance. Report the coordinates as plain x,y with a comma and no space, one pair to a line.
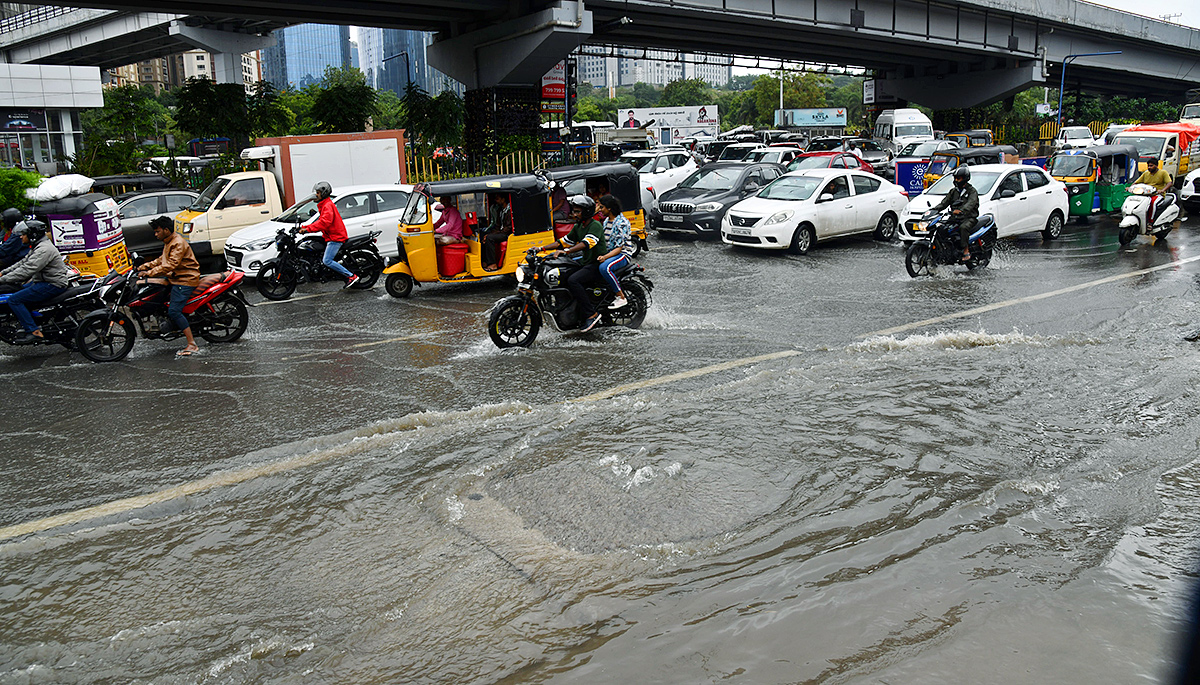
11,247
965,202
43,272
329,225
179,266
586,239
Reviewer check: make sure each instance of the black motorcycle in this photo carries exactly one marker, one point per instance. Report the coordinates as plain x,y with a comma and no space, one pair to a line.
299,261
940,246
542,292
59,317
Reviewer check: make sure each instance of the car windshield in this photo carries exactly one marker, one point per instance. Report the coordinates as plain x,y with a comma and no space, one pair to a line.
864,145
814,162
762,155
792,188
1147,146
210,194
1071,165
417,212
1076,134
641,163
982,180
712,179
302,209
824,145
914,130
919,149
735,153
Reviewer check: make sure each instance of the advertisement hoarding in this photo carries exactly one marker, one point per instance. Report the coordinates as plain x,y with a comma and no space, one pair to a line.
668,124
910,176
815,116
22,120
554,83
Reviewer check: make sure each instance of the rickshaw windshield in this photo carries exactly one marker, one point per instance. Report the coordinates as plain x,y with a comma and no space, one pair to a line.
940,165
417,212
1071,165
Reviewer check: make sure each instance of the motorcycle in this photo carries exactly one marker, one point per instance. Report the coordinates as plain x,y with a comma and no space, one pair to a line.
1136,209
58,317
216,311
542,293
940,246
299,261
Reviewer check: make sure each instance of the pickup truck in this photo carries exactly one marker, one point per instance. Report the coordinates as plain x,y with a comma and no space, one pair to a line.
229,203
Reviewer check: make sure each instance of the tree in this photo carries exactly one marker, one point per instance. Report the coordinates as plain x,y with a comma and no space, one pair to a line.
344,102
799,91
646,95
684,93
13,184
849,98
268,115
214,110
300,103
130,113
391,112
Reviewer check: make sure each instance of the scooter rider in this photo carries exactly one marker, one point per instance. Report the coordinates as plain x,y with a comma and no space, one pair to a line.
42,270
587,240
964,200
1161,180
11,247
329,225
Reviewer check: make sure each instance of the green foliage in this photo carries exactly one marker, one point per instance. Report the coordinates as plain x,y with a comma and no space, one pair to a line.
799,91
268,115
13,184
849,97
432,122
130,113
300,103
344,102
390,114
213,110
646,95
685,93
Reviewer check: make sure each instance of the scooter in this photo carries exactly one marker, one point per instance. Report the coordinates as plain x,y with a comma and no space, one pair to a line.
940,246
1144,199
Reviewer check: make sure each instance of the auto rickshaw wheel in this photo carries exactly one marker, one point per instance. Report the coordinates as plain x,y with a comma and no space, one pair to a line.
398,285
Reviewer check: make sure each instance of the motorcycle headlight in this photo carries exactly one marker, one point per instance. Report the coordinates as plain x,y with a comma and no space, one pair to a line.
259,244
780,217
520,274
708,207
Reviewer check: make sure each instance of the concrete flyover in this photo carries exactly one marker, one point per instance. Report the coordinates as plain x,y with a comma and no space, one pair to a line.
940,53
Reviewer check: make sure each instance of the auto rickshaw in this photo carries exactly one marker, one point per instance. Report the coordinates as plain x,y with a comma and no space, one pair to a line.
946,161
1095,177
595,180
976,137
422,260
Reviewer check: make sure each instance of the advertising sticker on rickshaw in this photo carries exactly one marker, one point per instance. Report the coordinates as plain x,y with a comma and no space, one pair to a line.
93,242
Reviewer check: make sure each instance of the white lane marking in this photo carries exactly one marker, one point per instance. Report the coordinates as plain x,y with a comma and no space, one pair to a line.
358,345
234,477
292,299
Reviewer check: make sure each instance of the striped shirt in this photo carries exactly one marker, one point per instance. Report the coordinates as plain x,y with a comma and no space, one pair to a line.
616,234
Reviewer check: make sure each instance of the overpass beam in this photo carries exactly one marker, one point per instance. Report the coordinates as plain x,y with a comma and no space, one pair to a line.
516,52
226,47
963,89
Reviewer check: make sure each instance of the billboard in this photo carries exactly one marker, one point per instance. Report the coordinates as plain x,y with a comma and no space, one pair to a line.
554,83
23,120
668,124
910,176
816,116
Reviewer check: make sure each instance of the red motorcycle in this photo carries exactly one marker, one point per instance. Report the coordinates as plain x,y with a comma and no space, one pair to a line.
216,311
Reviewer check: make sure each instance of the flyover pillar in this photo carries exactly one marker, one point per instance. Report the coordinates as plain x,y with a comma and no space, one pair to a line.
226,47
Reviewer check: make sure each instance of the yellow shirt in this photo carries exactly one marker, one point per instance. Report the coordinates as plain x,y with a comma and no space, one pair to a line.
1160,179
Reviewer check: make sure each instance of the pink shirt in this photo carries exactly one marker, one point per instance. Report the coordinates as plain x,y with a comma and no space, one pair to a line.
450,224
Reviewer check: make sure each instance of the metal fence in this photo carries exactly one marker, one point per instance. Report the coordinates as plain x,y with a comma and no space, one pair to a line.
425,169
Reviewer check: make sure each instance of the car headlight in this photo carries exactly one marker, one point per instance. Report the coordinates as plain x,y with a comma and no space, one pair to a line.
185,227
259,244
654,204
780,217
708,207
520,274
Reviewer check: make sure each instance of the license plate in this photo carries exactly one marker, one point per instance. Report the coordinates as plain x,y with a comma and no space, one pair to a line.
672,218
739,231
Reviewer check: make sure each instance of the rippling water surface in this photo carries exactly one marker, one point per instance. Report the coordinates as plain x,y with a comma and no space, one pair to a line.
1008,498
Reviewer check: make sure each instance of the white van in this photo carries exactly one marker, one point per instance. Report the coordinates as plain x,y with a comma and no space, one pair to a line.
896,128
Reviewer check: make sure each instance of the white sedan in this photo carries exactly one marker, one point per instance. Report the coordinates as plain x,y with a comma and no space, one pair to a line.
660,170
363,209
1022,198
1189,190
800,208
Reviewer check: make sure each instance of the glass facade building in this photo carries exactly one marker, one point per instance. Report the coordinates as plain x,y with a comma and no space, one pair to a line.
301,54
389,58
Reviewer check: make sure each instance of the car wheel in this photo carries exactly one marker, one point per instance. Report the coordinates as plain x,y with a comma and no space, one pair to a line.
886,230
1054,226
802,239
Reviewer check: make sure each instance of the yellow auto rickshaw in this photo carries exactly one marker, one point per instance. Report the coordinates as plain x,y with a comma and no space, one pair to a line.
618,179
423,260
976,137
946,161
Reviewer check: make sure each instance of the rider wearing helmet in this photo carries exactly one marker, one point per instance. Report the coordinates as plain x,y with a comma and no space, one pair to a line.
964,201
43,272
11,246
329,225
586,239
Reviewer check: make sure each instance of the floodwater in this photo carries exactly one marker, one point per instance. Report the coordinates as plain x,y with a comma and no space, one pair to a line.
1007,496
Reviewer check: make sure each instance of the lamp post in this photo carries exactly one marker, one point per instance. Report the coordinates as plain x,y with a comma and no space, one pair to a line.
407,66
1063,77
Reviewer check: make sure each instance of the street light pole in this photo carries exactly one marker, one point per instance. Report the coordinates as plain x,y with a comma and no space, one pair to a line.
1063,77
407,66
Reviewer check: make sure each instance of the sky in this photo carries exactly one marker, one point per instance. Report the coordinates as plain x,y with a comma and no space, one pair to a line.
1189,9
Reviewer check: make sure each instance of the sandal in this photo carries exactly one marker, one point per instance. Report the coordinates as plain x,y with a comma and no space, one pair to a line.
187,351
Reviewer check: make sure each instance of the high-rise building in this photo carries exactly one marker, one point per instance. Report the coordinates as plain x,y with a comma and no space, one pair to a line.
390,58
302,53
654,67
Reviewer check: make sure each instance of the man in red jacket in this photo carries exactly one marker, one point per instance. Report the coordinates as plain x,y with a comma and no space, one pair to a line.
329,225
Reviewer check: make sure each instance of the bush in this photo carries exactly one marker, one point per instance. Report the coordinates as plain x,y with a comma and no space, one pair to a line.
13,184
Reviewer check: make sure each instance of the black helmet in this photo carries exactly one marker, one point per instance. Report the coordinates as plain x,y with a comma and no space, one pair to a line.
583,203
962,175
322,189
36,230
11,216
163,222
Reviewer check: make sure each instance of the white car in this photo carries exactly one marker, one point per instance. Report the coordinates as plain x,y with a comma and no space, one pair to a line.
363,209
799,208
777,154
1189,189
1072,137
660,170
1022,198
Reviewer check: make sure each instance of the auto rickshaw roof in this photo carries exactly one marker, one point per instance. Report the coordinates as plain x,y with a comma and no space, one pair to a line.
985,151
520,185
1098,151
578,171
971,131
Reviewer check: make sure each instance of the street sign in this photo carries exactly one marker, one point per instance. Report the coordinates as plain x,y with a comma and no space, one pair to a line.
554,106
554,83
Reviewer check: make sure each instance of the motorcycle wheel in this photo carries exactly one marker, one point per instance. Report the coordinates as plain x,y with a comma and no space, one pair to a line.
398,285
228,321
633,314
105,337
274,284
918,259
367,266
514,323
1126,235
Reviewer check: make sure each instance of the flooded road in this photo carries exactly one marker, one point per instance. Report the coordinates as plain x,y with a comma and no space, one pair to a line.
365,490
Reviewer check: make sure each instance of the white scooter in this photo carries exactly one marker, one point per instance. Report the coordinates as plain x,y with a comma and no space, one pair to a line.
1136,211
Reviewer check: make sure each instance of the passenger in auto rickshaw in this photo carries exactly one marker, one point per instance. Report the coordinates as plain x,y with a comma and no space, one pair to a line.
448,229
500,227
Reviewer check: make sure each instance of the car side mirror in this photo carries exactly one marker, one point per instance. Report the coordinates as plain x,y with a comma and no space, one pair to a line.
1007,193
221,204
752,188
827,197
660,169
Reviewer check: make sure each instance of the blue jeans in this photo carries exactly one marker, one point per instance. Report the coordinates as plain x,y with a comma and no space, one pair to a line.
331,250
31,294
609,266
179,297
